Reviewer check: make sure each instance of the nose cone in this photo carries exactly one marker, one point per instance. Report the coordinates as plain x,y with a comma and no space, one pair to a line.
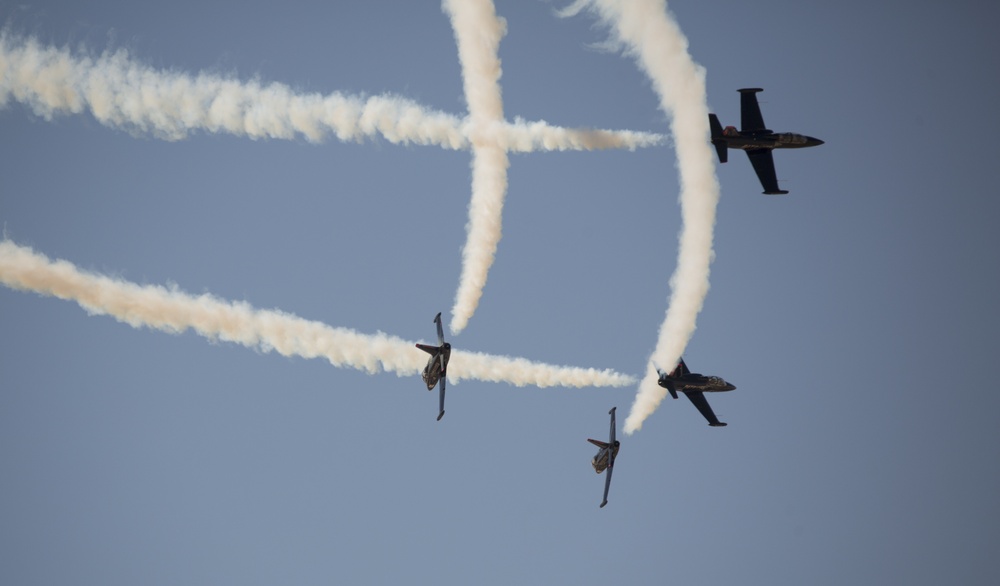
729,387
810,141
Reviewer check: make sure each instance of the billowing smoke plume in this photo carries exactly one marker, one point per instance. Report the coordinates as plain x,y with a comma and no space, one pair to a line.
478,31
650,34
171,310
122,93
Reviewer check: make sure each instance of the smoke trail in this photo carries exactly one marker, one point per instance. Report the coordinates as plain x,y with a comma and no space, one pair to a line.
122,93
478,31
173,311
653,37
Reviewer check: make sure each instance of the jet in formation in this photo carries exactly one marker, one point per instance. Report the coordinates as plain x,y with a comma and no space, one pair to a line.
756,139
436,370
605,458
694,386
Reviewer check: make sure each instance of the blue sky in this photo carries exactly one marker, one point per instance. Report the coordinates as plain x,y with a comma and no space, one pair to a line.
856,315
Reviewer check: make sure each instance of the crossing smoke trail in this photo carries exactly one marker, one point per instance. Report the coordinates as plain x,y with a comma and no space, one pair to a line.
174,311
122,93
478,31
652,35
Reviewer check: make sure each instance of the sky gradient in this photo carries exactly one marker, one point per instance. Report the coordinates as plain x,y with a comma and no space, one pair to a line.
856,315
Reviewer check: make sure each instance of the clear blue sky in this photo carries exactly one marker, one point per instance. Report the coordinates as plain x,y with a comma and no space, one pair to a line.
857,315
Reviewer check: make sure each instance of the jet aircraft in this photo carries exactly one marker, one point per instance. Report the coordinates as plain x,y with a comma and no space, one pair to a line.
605,458
694,386
437,365
756,139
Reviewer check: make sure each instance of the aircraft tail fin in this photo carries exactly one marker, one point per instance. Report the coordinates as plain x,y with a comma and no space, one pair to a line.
720,145
665,380
682,368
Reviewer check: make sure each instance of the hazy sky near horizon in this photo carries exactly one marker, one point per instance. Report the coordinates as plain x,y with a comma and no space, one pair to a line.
856,315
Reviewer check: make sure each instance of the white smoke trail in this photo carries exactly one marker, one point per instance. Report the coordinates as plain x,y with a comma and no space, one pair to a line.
653,37
478,31
121,93
173,311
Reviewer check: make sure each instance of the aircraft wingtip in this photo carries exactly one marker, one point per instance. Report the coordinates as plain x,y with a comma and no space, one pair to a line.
440,415
604,503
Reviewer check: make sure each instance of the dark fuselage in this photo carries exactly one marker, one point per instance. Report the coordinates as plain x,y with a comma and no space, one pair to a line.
437,365
605,455
696,382
748,141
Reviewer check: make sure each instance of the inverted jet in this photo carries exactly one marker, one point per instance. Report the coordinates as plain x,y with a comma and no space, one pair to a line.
436,370
694,386
756,139
605,458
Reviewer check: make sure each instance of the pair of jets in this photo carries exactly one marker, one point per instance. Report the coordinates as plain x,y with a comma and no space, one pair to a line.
680,380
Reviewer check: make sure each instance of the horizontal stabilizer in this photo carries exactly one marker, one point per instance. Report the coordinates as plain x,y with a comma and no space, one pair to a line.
718,424
428,349
599,444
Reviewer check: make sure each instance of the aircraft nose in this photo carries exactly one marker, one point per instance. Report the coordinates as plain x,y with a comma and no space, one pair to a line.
814,141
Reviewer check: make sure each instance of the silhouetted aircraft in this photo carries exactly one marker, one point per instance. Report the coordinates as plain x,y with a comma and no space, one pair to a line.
694,385
756,139
605,458
437,365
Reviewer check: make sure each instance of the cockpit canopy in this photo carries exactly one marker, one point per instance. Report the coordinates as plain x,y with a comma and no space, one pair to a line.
791,138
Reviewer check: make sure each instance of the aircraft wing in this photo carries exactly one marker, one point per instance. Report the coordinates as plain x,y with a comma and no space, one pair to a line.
750,117
607,481
440,330
763,164
699,400
441,397
611,457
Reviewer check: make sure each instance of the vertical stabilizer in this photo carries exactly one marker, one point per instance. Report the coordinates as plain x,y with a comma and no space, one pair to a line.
717,140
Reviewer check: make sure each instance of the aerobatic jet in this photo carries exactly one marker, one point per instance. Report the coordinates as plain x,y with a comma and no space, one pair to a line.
694,386
756,139
437,365
605,458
